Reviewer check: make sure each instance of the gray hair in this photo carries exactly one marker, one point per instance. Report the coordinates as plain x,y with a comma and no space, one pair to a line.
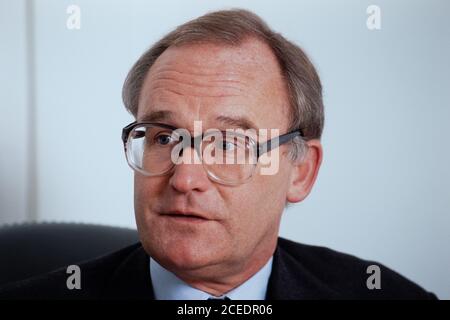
232,27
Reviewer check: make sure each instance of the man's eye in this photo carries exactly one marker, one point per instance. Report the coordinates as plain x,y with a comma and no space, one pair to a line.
163,139
228,146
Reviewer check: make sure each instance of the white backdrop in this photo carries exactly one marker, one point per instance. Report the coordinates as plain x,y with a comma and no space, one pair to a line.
383,192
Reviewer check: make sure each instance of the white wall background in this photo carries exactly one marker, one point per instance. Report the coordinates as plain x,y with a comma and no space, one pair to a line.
383,192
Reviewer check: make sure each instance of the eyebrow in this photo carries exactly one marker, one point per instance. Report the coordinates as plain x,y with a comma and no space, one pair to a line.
241,122
164,115
157,116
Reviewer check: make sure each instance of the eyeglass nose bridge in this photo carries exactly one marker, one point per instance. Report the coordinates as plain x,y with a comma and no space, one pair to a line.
196,144
192,142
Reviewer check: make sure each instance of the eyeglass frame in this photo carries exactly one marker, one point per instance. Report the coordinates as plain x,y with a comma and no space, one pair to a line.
265,146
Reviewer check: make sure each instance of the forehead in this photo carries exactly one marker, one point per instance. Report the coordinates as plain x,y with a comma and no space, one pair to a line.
209,82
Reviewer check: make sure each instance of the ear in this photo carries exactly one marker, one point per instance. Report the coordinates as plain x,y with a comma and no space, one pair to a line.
304,172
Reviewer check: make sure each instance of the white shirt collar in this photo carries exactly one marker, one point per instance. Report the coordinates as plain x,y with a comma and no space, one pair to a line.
167,286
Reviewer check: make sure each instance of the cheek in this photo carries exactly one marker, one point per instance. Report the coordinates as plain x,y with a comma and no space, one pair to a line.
272,193
256,207
141,195
146,189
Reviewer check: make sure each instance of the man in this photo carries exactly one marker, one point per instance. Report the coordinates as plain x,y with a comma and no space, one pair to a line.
209,229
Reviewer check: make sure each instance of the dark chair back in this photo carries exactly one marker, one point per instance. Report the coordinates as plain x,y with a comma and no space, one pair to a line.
27,250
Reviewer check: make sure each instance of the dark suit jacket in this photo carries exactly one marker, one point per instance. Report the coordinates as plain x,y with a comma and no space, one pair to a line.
298,272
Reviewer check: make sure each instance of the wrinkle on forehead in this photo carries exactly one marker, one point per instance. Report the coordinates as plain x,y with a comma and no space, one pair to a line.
197,84
207,79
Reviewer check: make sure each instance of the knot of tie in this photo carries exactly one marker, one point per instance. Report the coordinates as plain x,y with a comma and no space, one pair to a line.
219,298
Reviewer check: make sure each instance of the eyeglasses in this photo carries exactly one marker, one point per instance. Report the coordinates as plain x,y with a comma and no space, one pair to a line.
229,157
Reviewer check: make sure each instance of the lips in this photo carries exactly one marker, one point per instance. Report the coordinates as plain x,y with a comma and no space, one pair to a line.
185,215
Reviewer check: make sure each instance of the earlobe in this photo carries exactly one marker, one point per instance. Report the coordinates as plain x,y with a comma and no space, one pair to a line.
304,173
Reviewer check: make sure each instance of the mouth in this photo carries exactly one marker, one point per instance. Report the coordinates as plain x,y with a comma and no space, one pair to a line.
185,217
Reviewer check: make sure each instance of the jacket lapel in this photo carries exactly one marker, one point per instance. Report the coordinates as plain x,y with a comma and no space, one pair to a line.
131,280
290,280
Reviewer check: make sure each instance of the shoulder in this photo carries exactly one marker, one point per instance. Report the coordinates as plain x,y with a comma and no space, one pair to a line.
347,276
95,275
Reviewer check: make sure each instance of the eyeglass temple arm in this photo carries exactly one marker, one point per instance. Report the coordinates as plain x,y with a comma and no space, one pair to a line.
275,142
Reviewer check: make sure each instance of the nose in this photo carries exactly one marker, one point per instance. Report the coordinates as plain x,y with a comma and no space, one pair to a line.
189,175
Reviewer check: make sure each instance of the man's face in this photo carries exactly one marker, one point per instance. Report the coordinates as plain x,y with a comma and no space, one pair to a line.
214,84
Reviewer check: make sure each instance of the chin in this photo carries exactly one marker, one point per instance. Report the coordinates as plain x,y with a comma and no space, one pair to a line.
187,254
